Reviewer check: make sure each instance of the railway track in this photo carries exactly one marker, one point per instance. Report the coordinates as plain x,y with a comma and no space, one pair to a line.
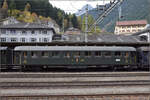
41,80
81,74
39,85
81,97
71,84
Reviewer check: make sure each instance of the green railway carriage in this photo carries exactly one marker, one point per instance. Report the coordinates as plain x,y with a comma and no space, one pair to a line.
3,52
74,56
5,57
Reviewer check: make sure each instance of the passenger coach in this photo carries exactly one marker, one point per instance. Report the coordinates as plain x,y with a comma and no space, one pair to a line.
37,57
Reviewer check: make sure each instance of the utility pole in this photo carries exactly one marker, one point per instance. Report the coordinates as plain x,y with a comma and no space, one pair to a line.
63,24
120,12
86,24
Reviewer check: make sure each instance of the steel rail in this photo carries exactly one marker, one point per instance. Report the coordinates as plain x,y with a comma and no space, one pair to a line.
55,75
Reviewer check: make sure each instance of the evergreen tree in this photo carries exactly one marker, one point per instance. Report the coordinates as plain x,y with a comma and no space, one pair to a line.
27,7
90,21
74,21
12,5
5,5
79,22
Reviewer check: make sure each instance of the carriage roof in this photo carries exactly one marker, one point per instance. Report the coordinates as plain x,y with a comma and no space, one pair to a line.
3,48
144,48
74,48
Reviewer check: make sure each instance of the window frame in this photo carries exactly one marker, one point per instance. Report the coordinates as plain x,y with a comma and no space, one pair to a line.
107,56
97,55
35,40
45,52
3,39
13,39
89,53
116,55
55,54
67,54
34,56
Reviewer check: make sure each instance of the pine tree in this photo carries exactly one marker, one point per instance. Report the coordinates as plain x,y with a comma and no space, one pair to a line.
27,7
12,5
5,5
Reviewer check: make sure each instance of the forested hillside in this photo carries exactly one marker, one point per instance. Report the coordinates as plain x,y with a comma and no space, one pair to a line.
45,9
131,10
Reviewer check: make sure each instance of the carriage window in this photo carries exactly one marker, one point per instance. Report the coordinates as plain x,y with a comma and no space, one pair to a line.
55,54
25,54
145,53
88,53
126,54
67,54
77,54
98,54
44,54
117,54
34,54
107,54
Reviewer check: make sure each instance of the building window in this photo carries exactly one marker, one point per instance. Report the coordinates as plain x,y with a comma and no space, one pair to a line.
23,40
128,30
123,30
3,31
33,39
13,39
32,32
24,32
3,39
12,31
128,27
45,32
45,39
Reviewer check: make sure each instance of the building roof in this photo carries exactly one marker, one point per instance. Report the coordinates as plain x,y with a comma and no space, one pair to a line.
73,48
143,31
135,22
101,38
144,48
25,26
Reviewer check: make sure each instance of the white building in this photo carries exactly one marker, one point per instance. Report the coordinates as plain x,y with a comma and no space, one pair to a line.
52,24
129,27
26,32
9,20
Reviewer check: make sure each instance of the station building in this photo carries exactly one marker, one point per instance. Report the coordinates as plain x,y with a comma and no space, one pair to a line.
26,32
129,27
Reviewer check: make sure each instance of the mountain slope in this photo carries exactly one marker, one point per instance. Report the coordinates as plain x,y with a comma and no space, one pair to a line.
83,10
131,10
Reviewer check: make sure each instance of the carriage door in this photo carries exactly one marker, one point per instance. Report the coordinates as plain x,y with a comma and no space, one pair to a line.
17,58
76,59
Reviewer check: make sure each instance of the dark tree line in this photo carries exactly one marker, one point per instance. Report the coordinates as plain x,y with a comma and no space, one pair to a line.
44,8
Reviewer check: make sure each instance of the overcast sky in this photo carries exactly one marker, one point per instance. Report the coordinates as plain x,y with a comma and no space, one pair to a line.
72,6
